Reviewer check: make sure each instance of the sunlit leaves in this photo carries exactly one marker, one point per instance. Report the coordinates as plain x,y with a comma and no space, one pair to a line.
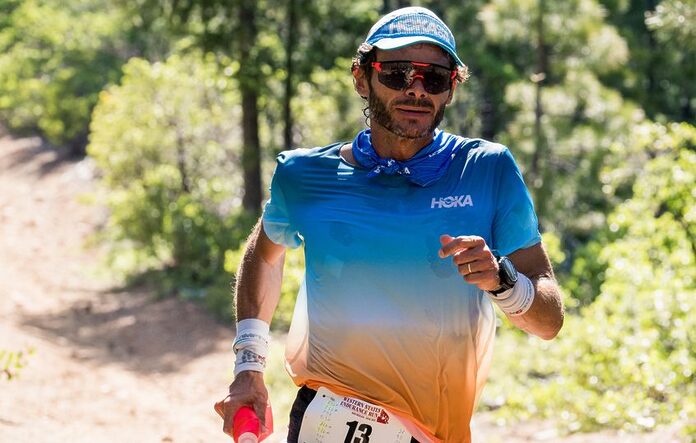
675,21
628,359
12,362
581,122
54,59
563,120
662,56
575,31
167,143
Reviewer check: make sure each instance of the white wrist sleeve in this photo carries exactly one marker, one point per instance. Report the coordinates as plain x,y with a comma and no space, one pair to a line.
251,345
516,300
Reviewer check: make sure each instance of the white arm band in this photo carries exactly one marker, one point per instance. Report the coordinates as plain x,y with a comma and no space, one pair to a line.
251,345
516,300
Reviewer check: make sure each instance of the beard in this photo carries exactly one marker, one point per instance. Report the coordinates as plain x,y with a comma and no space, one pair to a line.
380,115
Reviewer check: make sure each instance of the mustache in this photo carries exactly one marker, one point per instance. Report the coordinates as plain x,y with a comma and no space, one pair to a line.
420,103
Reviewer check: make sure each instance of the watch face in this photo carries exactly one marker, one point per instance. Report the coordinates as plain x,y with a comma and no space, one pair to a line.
508,273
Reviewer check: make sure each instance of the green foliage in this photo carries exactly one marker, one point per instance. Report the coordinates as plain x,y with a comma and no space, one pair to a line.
674,26
662,62
614,191
553,248
562,150
167,146
573,30
281,389
328,94
293,276
629,156
11,362
55,57
628,360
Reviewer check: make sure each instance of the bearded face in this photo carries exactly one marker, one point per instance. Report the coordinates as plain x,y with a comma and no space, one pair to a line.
385,115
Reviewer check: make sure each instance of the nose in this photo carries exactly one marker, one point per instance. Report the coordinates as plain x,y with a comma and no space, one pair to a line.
416,88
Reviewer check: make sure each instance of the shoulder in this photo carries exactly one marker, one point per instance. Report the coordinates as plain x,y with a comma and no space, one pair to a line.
299,155
488,149
478,150
300,158
477,146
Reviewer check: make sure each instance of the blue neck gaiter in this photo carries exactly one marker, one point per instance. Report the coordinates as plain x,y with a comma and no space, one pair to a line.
423,169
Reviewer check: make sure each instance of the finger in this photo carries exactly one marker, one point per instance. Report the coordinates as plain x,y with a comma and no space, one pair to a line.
260,409
486,281
470,255
229,410
445,238
467,268
227,425
453,245
220,406
220,409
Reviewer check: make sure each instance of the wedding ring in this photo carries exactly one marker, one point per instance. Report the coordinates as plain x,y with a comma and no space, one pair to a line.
468,266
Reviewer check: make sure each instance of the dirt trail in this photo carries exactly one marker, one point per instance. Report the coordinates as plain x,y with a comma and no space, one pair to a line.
109,366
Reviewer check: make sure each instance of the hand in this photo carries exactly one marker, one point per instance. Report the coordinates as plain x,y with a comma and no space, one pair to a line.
246,389
473,258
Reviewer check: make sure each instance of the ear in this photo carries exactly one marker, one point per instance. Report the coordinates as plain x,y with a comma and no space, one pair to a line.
451,92
361,82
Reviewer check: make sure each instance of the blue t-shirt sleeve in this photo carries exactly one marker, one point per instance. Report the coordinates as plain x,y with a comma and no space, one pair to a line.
277,222
515,225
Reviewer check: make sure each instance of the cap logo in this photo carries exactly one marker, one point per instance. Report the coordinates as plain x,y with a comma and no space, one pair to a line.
410,25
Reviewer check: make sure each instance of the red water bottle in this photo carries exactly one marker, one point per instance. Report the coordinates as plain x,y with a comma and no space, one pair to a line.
247,426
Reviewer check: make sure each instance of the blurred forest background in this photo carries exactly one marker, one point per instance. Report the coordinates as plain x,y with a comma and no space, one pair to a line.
183,104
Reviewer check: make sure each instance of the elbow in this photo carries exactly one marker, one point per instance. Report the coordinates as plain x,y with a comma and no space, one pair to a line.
553,328
549,335
554,319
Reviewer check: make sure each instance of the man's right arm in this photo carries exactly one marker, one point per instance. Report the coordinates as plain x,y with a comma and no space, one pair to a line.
259,277
257,293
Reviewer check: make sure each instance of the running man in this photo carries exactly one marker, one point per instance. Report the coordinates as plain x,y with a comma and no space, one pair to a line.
410,235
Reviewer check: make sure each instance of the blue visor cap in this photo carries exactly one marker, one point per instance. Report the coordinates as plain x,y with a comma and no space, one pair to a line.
407,26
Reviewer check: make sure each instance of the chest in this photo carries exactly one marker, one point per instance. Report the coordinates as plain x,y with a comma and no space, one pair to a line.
387,215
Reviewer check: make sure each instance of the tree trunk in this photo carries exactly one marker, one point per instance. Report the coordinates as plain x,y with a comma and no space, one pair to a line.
538,174
489,111
78,145
290,72
181,159
651,71
386,6
248,78
390,5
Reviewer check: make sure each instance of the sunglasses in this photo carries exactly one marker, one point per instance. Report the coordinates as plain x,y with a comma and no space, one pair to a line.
400,74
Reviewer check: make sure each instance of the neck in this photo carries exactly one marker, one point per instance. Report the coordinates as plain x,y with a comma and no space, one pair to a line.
389,145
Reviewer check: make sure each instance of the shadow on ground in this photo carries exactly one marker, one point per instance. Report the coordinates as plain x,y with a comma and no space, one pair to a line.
33,148
133,329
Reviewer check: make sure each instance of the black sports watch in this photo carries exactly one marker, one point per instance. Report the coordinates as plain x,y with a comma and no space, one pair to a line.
507,275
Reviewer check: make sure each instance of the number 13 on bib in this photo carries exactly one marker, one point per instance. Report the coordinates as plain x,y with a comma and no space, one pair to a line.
332,418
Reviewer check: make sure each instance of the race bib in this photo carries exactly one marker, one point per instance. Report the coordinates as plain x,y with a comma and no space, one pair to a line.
332,418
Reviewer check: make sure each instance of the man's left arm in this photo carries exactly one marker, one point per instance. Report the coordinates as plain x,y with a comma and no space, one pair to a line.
477,264
545,316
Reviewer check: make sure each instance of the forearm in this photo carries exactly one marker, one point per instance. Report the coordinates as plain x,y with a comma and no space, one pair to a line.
257,291
545,317
259,278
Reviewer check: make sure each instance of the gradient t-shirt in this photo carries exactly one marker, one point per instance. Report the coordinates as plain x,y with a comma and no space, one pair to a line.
380,316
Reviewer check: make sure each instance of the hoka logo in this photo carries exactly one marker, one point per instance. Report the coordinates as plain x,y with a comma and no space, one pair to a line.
452,201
